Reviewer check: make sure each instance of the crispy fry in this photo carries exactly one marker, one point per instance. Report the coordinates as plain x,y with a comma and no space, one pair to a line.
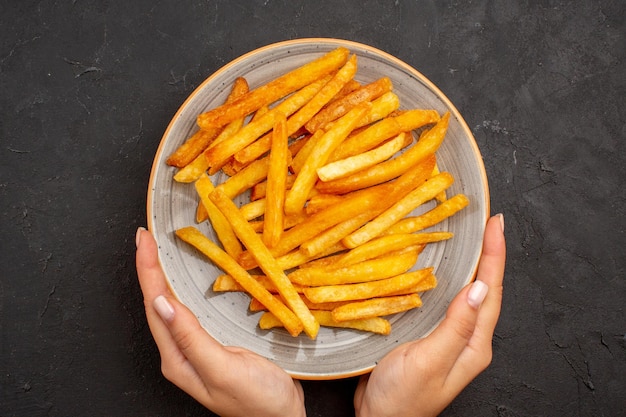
428,283
193,147
365,290
260,190
371,270
266,261
325,318
225,282
408,203
274,90
222,228
379,246
376,307
301,157
335,234
436,215
350,165
220,153
298,259
382,107
195,238
297,195
246,178
319,202
340,107
198,142
201,213
279,159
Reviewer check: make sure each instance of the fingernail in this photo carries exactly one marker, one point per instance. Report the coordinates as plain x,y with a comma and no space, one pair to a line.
138,235
477,293
501,217
163,308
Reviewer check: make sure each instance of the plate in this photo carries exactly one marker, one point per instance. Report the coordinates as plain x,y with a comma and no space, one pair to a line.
335,353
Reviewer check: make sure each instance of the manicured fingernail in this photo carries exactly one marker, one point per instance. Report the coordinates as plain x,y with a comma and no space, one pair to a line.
138,235
501,217
477,293
163,308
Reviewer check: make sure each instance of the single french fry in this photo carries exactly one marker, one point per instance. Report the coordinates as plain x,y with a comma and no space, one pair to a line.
279,158
436,215
381,245
425,148
290,220
376,307
274,90
259,190
365,290
340,107
319,202
195,238
266,261
306,112
298,259
297,195
225,282
301,157
220,153
197,143
201,213
192,147
335,234
408,203
222,228
371,270
350,86
256,306
350,165
377,325
442,196
246,178
426,284
382,107
389,127
253,209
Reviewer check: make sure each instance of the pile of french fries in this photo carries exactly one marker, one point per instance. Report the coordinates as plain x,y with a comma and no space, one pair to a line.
333,172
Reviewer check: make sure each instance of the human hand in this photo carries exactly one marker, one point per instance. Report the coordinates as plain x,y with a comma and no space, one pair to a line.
422,377
230,381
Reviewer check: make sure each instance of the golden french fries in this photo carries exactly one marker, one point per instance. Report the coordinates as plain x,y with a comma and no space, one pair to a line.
332,172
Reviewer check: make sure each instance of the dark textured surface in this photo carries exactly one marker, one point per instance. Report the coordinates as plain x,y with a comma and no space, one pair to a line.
88,87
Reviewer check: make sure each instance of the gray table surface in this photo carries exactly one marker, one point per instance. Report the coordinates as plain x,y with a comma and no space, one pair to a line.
88,87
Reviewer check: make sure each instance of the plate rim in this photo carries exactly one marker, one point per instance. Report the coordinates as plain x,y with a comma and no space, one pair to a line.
336,42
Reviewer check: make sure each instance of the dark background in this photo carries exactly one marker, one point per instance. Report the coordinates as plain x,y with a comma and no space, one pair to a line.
87,88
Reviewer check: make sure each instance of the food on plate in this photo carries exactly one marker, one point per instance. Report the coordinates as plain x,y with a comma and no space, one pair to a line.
339,185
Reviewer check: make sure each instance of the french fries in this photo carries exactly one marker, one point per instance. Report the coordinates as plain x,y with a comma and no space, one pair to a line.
332,173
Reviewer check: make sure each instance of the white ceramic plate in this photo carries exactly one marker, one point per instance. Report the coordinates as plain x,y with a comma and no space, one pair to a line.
335,353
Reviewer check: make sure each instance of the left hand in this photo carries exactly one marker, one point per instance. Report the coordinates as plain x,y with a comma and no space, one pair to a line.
230,381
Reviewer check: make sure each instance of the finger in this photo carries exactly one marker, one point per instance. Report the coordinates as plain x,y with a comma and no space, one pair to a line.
153,284
454,333
491,272
478,353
